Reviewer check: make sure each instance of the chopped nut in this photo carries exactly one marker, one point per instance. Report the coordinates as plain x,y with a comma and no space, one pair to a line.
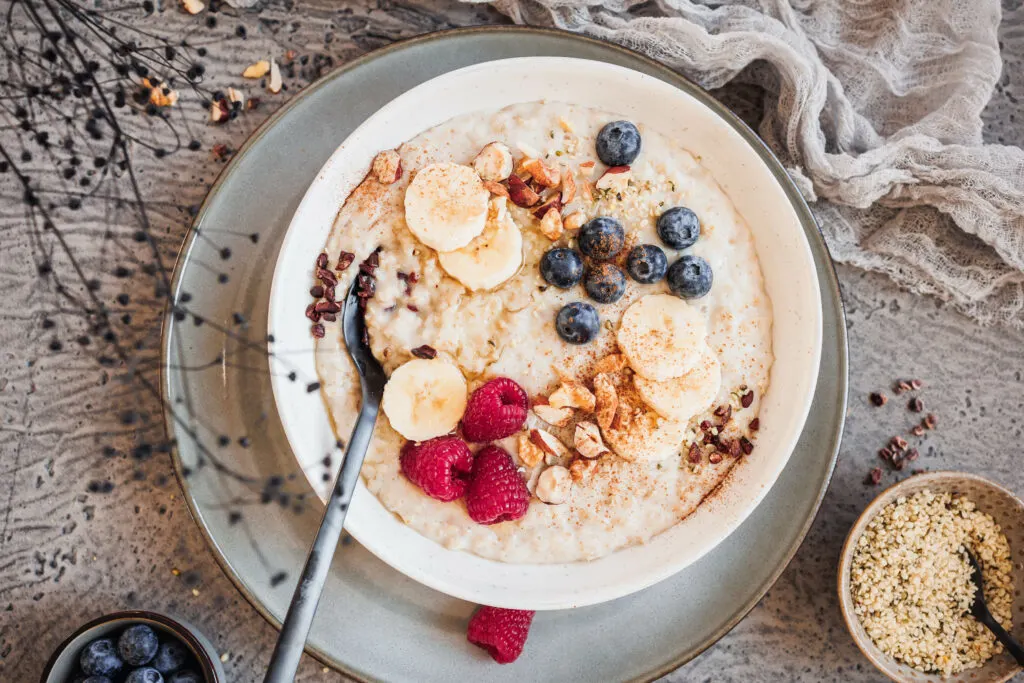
902,386
565,125
587,165
568,186
496,188
615,179
572,395
929,421
257,70
607,400
610,363
559,417
193,6
588,441
387,167
878,398
425,351
289,57
694,454
554,485
574,221
551,224
874,477
747,399
581,468
586,192
549,443
219,112
917,430
520,193
160,95
916,384
493,162
714,457
916,405
544,175
529,453
274,85
236,97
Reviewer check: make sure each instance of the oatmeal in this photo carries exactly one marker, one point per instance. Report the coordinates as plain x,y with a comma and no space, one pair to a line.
912,588
640,340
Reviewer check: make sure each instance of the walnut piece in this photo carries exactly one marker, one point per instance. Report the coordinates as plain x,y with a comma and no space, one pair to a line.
387,167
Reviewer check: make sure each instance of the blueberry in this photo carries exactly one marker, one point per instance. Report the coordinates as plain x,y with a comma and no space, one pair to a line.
97,679
170,657
679,227
146,674
647,263
690,277
99,658
138,645
561,267
185,677
578,322
602,238
605,283
618,143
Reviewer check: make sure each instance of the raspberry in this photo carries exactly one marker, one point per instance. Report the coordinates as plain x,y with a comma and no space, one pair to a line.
502,632
496,493
494,411
440,466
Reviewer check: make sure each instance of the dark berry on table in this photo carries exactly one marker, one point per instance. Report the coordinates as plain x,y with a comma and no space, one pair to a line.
647,263
605,283
561,267
690,277
94,679
618,143
100,658
679,227
146,674
578,323
185,677
170,657
602,238
138,645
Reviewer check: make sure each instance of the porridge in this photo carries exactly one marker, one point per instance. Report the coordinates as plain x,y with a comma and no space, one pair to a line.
573,320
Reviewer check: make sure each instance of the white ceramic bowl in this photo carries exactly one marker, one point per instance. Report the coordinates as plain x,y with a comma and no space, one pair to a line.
790,280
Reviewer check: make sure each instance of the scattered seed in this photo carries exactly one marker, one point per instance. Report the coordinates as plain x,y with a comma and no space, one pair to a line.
746,399
327,276
878,398
902,386
694,454
898,443
715,458
874,477
916,405
312,313
724,413
916,384
746,445
929,421
912,455
317,330
425,351
329,293
327,307
755,424
328,317
885,454
917,430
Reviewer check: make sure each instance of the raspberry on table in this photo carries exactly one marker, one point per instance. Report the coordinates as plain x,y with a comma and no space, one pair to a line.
440,466
496,492
502,632
495,410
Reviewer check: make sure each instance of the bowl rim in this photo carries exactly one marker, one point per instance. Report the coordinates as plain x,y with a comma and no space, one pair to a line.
593,589
884,497
206,662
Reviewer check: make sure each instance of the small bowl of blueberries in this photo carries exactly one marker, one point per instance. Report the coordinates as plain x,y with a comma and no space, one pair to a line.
135,647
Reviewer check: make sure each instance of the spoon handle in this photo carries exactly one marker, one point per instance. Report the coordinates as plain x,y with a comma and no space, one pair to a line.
284,662
1008,641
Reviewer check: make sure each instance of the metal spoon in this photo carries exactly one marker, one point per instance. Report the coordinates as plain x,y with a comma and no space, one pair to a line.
285,660
979,610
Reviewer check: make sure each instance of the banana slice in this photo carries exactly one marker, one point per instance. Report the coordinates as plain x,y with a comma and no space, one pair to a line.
683,397
646,438
491,258
425,398
661,336
446,206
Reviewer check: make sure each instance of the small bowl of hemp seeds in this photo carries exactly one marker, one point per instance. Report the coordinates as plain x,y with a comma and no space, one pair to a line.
905,583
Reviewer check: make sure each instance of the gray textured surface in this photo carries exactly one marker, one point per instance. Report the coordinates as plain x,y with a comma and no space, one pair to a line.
67,555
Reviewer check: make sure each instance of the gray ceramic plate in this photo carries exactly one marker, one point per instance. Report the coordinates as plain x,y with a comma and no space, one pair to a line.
374,623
